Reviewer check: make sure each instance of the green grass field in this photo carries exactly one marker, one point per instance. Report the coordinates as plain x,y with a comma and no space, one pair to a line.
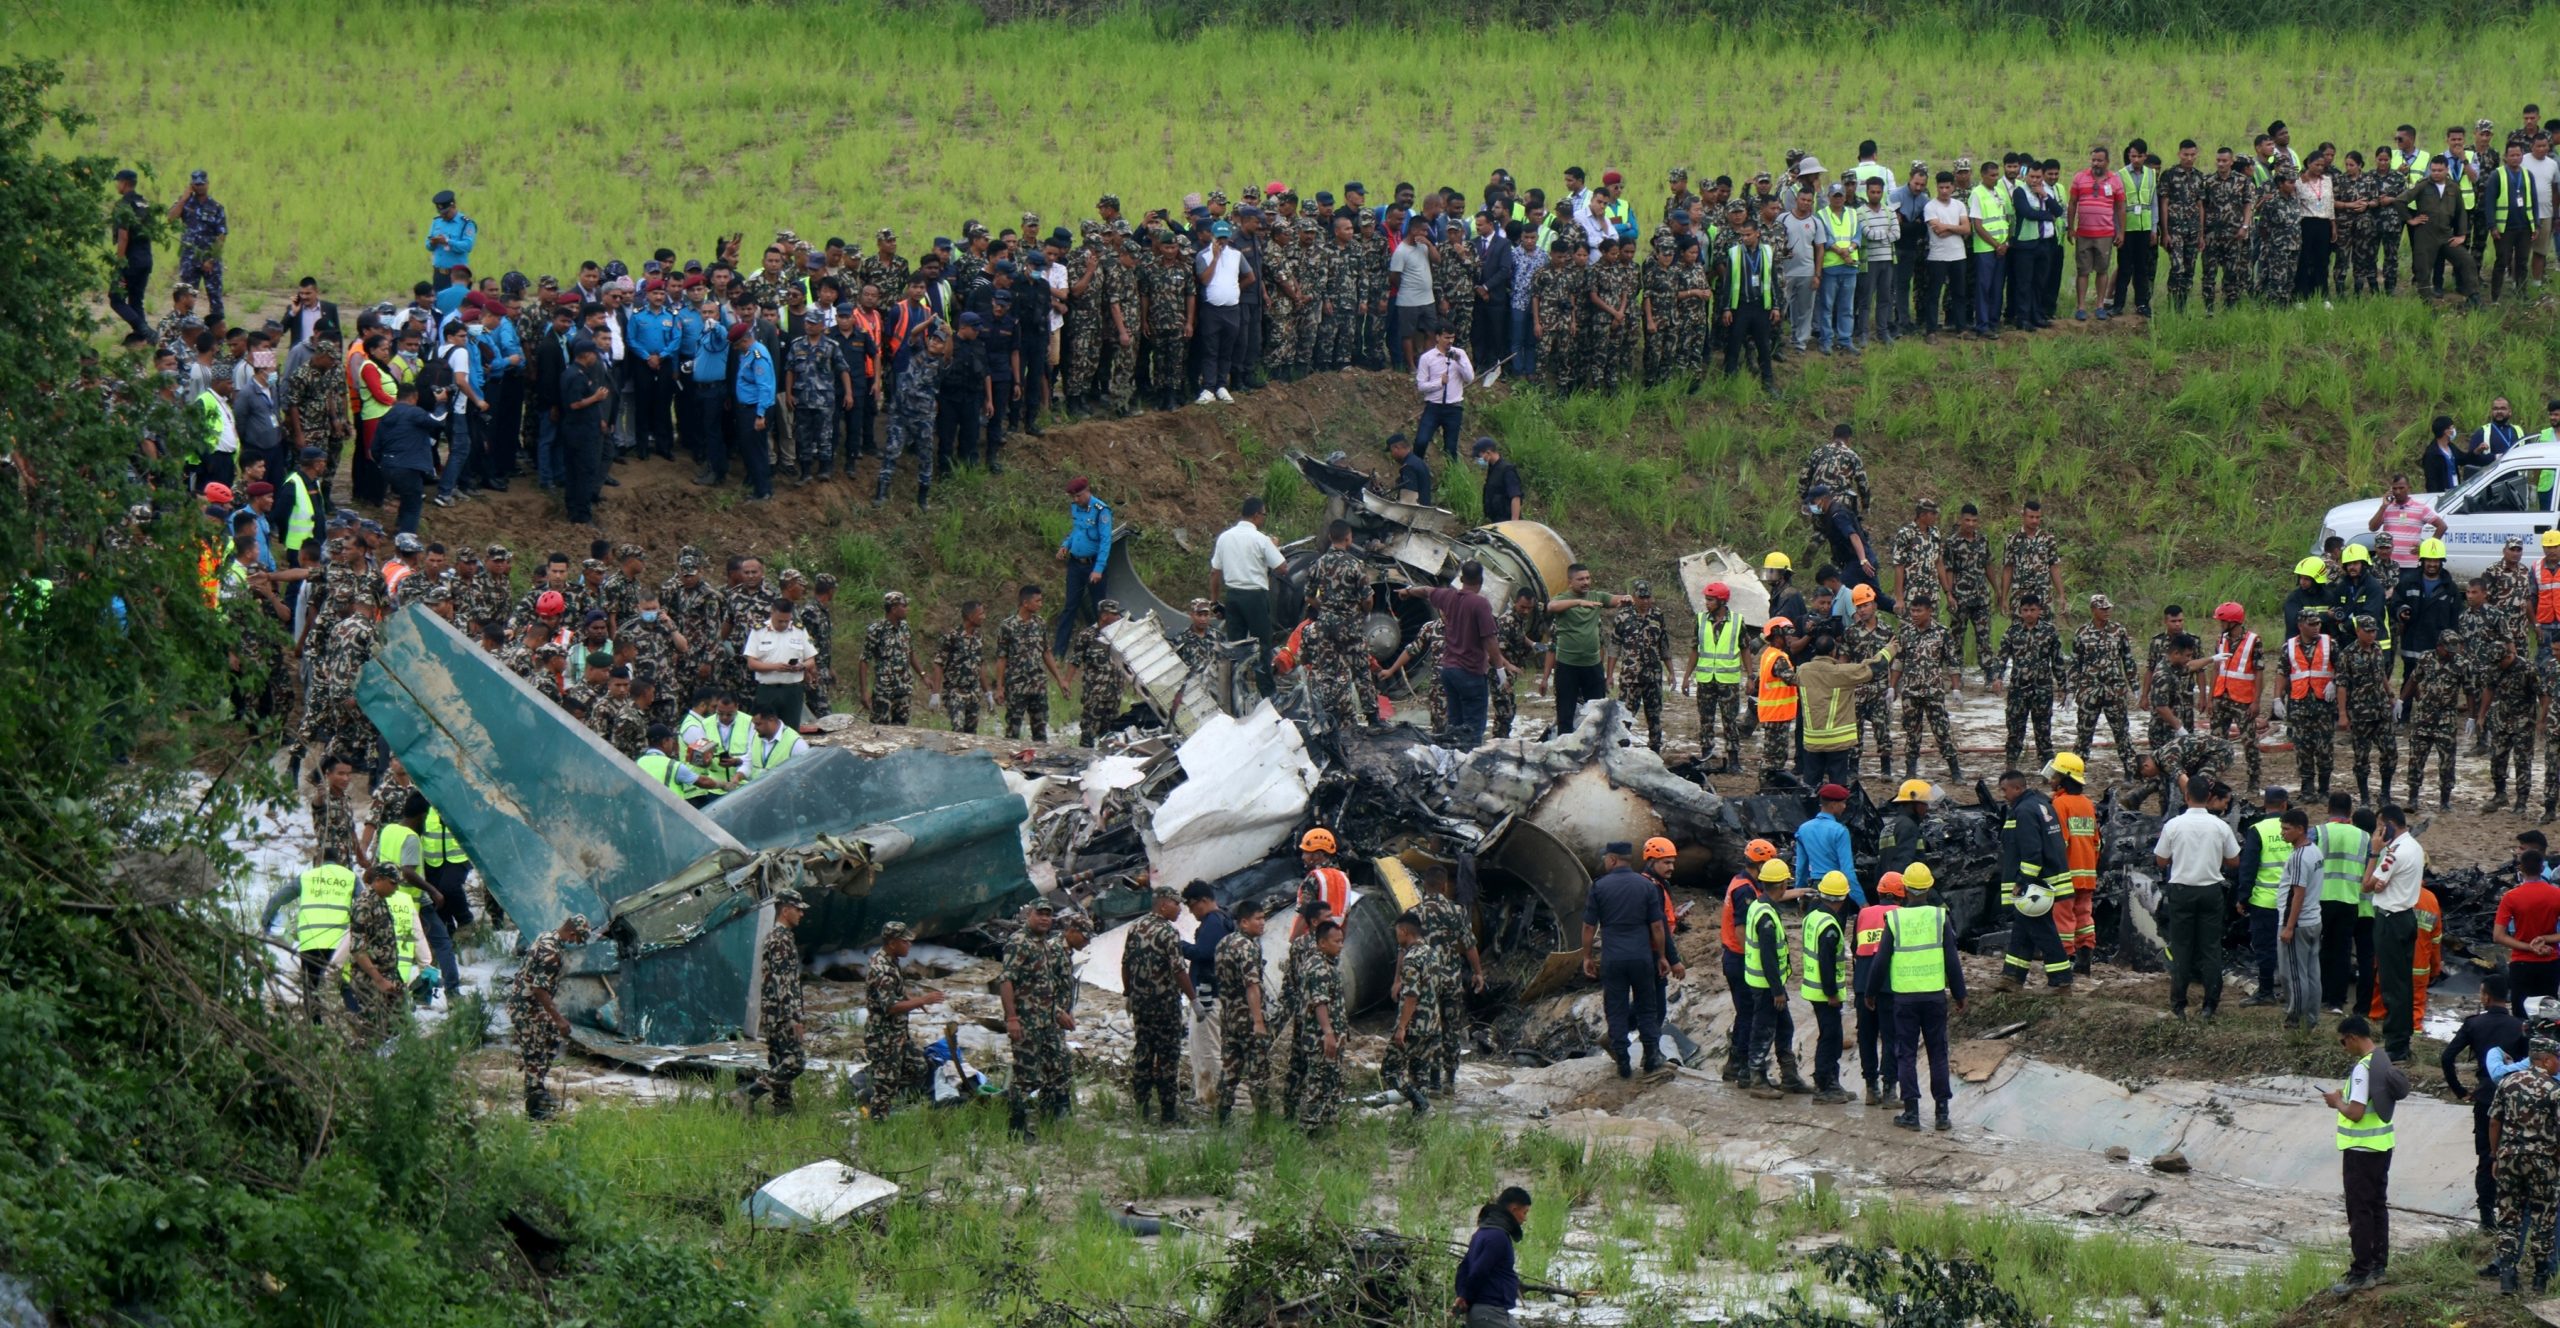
576,128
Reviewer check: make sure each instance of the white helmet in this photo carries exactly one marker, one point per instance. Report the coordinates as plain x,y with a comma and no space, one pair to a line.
2034,901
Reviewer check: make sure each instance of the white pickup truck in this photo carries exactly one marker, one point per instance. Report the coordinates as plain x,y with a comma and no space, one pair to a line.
2514,497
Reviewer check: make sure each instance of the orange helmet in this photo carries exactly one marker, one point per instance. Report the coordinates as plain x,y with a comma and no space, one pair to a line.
1890,885
1759,850
1318,840
1659,847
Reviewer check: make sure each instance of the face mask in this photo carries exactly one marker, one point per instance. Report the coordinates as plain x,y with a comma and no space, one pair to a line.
648,615
1482,464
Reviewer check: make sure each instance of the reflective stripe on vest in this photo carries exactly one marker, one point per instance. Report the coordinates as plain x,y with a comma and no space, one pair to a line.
1838,722
1777,701
2232,676
1762,921
1871,925
1834,230
1336,887
441,848
2140,184
320,919
763,753
1991,215
1919,957
2514,209
1733,276
2311,677
2272,851
404,924
298,527
1816,924
391,842
1719,652
662,768
2372,1134
2546,592
2342,853
2032,872
367,407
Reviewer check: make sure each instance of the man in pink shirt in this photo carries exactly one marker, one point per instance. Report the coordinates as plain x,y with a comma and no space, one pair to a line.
2405,519
2097,227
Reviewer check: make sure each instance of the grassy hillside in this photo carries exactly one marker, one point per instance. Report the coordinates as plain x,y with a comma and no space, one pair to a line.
578,128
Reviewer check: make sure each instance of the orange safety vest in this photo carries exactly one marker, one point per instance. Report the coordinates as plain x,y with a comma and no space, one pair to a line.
1732,933
869,321
2311,677
393,573
209,575
2233,679
1777,699
1871,925
2546,592
1336,888
2079,818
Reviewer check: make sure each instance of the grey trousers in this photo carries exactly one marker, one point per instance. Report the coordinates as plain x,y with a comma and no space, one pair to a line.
1798,293
2298,969
1489,1316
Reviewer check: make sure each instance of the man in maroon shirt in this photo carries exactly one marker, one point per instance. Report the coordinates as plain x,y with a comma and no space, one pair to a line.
1468,650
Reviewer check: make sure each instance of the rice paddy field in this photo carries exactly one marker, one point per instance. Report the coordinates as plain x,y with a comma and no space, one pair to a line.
579,128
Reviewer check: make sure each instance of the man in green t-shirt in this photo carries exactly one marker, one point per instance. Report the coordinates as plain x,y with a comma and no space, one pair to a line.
1576,663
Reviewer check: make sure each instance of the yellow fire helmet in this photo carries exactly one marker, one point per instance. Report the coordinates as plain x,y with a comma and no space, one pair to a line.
1777,562
1776,872
2356,553
2551,539
2431,548
1917,877
2317,570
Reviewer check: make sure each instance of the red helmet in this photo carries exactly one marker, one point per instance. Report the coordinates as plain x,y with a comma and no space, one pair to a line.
1718,590
550,604
2228,611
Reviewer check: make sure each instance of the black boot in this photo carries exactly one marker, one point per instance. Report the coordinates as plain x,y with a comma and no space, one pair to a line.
880,490
1944,1123
1019,1121
1910,1117
1789,1077
1172,1107
1421,1104
924,496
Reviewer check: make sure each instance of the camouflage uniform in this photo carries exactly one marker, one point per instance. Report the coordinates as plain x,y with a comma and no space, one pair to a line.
2031,560
1329,284
1244,1055
1555,294
2031,658
1023,645
816,367
1917,554
786,1052
334,818
1151,982
1319,1092
897,1064
1422,673
1513,635
745,609
2515,698
483,598
1418,979
2180,193
2388,182
2102,683
1929,661
2365,671
819,622
2511,594
2232,716
1197,650
962,661
537,1038
1612,341
2360,236
1098,686
1643,644
2525,1108
889,648
2185,756
202,225
2311,723
1969,568
1369,284
316,396
1837,466
330,719
1453,280
1121,362
2278,225
2435,717
1447,932
1032,964
374,935
2167,684
1166,288
2226,204
1336,653
1875,713
1778,741
889,274
1302,957
1282,265
620,724
1663,283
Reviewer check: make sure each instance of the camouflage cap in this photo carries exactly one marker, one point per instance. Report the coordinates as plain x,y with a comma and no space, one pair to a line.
2450,636
438,594
885,233
2543,1046
1925,505
1030,222
1089,228
1662,242
1163,895
1964,163
1108,200
787,897
689,561
629,551
973,226
591,564
1217,195
2101,602
550,650
2483,125
1199,605
578,923
1253,191
890,599
786,238
792,576
1073,919
1110,606
1040,905
896,931
1795,154
823,582
466,556
2362,622
1120,227
1641,590
1680,173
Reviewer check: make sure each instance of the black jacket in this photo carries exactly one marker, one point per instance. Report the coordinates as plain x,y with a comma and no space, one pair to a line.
326,327
2419,614
1494,268
2031,837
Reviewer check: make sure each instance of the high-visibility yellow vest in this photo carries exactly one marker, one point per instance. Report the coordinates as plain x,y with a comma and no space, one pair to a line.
1919,956
1817,923
2504,209
1837,227
661,768
1719,651
368,408
320,918
763,753
391,843
1733,275
2342,852
404,924
440,848
298,527
1991,217
2272,851
2373,1134
1762,920
2141,184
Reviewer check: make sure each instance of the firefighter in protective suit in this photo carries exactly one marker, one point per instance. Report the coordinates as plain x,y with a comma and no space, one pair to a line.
2032,866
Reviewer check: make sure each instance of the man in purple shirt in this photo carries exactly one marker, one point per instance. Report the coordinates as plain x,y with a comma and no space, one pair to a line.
1488,1281
1468,651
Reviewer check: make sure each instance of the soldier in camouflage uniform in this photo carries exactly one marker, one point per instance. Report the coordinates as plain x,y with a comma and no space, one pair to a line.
330,719
2364,673
1280,300
203,226
1555,297
382,1003
1514,631
1308,265
2524,1114
1450,936
2227,715
1453,280
1867,638
2515,701
1317,1055
2028,561
1121,282
1837,466
315,401
2278,225
1244,1016
2181,198
2102,679
2228,194
1413,1048
2184,756
2390,180
1023,669
897,1064
1615,286
1918,552
1968,563
1419,666
1154,979
886,269
889,662
1664,279
333,817
1165,286
2509,582
1336,652
2165,685
780,1009
814,380
2312,720
1926,661
745,606
531,1012
1329,282
1641,639
2031,661
623,586
2436,690
959,668
1036,1017
1088,316
816,615
2359,231
1301,957
1199,644
911,417
615,719
1098,675
1369,287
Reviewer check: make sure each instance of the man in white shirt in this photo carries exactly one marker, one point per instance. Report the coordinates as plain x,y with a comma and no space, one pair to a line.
782,662
1222,277
2194,847
1441,375
1240,569
1942,263
2393,881
770,747
2544,170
